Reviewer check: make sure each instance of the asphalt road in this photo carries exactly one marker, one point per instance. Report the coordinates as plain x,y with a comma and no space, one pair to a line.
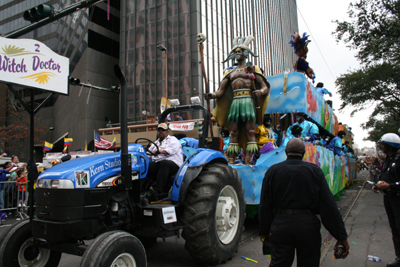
367,229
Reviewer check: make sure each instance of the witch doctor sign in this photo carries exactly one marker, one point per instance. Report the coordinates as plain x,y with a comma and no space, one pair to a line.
32,64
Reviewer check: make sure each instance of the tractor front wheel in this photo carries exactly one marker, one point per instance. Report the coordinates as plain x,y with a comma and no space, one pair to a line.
115,248
17,248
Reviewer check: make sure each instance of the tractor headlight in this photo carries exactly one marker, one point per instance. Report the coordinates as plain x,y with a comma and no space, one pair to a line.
55,184
41,183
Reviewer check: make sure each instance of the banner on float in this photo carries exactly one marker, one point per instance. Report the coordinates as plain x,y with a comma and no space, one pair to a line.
181,127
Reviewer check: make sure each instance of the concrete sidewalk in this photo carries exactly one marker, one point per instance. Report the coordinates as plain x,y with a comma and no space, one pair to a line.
369,233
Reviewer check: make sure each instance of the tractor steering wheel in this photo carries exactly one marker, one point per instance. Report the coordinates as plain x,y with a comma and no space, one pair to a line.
147,147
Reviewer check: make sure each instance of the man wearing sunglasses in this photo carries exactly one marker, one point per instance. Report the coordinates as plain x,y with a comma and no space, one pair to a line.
165,161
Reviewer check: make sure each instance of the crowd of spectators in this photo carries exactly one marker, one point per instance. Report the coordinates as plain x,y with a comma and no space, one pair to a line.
13,183
371,164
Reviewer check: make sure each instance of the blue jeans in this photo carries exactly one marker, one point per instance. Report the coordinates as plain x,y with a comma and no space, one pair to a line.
22,196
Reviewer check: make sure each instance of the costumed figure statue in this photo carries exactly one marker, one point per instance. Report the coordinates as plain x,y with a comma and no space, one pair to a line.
241,100
300,49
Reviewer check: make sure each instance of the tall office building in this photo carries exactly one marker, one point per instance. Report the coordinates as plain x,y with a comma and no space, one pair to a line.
174,24
131,36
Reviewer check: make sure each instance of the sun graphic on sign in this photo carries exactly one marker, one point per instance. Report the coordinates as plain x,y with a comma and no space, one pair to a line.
13,51
41,78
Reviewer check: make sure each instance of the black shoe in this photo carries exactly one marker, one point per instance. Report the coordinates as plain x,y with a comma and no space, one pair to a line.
396,263
153,194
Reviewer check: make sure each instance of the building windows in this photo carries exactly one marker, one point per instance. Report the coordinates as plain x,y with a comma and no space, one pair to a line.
270,22
103,44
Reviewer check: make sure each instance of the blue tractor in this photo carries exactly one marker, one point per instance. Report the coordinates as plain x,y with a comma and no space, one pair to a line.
99,197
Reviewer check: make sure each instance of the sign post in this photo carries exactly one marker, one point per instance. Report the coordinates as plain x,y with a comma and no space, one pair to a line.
31,64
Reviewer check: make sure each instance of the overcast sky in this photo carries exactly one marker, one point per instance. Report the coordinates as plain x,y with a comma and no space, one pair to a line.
328,58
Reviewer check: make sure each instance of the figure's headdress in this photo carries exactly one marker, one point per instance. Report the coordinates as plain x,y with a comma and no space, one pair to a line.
243,43
300,43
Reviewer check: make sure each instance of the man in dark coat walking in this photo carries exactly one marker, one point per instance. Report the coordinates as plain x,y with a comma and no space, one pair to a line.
293,193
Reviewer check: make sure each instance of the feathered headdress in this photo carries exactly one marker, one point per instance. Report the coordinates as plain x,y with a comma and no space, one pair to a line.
243,43
300,44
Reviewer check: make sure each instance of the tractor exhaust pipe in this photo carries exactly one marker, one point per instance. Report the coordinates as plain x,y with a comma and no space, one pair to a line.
126,169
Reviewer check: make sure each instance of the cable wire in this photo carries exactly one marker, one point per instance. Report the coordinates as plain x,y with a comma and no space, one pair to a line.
315,40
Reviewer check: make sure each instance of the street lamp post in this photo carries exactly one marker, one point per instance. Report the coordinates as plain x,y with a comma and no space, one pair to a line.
163,48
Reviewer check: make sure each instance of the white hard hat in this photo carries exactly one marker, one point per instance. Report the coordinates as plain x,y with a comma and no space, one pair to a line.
391,139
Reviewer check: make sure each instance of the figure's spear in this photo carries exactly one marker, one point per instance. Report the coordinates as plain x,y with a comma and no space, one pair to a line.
201,37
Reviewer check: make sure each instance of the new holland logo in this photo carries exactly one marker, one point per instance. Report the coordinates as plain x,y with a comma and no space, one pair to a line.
82,179
113,181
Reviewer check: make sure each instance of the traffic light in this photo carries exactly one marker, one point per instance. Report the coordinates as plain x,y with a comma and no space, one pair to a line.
38,13
200,128
74,81
115,89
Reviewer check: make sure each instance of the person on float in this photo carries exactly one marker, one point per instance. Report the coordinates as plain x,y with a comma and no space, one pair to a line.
336,144
322,91
309,128
296,133
265,134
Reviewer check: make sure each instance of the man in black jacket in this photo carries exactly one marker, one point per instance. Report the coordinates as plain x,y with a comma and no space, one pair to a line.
293,192
390,184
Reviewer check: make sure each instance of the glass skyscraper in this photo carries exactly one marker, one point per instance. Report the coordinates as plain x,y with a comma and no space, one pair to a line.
94,40
174,24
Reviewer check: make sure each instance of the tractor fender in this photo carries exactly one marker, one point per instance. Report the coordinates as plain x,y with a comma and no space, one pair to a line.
191,169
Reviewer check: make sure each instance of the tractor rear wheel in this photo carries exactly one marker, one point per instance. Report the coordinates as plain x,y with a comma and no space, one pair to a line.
214,213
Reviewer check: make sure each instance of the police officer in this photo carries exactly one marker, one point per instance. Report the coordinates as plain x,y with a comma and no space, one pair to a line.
390,184
293,192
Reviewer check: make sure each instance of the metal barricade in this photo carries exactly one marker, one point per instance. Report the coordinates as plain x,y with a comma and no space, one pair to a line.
12,200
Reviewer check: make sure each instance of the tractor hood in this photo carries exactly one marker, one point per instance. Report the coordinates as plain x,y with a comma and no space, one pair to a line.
89,172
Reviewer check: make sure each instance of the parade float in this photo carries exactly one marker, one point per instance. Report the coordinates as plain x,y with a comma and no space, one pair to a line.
293,93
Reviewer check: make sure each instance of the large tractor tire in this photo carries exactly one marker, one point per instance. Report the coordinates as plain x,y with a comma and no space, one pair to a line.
17,249
214,213
116,248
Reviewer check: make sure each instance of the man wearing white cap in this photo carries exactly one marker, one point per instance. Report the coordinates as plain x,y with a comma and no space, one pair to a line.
165,161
